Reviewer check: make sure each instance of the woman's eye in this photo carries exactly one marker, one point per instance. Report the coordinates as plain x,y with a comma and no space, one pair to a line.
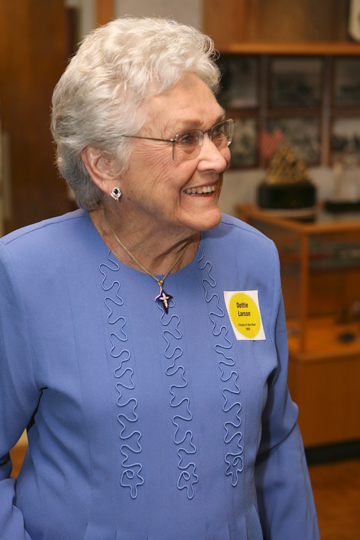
218,132
189,139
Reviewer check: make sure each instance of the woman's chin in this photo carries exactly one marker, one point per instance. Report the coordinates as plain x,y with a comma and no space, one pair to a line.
204,220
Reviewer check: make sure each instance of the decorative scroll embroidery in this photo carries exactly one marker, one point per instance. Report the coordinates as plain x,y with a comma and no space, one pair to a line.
180,402
130,437
228,375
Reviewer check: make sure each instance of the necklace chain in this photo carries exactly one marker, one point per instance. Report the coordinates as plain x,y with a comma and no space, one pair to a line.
163,298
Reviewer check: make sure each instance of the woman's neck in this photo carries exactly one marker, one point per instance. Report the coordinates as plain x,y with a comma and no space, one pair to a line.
141,247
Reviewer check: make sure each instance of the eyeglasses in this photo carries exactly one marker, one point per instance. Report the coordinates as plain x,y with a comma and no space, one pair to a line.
188,145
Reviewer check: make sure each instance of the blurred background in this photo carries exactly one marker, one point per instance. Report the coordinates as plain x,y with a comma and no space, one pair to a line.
38,36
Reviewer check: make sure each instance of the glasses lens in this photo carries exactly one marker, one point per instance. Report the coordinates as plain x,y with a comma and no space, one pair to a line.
187,145
222,133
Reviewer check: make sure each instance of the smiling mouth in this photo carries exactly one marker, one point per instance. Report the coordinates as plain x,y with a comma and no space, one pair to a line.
205,190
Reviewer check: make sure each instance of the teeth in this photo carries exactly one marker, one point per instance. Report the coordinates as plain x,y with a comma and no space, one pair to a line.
200,190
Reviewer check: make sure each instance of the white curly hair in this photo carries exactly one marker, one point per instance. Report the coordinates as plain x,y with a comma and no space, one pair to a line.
98,98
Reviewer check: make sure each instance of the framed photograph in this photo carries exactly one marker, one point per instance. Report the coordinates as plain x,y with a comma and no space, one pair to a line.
296,82
302,134
239,82
347,82
244,148
345,137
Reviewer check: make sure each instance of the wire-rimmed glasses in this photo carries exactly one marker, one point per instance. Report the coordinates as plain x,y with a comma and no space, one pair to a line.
188,145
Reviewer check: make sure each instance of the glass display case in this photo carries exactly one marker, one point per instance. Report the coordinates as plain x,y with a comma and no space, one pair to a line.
320,273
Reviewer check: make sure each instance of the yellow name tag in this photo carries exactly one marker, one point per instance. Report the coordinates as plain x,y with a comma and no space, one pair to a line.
244,314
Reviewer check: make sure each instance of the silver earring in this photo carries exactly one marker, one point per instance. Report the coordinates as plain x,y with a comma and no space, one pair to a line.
116,193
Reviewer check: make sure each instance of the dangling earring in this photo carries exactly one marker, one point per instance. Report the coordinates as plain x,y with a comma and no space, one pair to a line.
116,194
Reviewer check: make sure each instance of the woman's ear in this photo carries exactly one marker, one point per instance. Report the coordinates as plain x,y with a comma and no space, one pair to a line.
99,167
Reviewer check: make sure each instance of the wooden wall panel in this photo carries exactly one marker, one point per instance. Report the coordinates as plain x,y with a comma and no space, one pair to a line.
302,20
238,21
32,59
228,22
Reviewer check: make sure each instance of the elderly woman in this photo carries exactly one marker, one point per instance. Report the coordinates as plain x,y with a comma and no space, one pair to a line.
143,341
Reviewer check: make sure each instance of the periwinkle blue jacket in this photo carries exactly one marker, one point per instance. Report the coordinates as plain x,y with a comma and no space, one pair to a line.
142,425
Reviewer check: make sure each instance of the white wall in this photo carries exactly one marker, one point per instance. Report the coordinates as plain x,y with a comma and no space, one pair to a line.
184,11
87,14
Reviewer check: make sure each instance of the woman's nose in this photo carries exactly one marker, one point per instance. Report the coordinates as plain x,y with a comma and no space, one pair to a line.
213,158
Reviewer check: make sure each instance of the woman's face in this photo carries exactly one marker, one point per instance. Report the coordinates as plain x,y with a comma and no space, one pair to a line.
160,193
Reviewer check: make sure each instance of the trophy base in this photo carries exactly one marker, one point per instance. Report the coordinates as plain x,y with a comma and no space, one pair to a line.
288,196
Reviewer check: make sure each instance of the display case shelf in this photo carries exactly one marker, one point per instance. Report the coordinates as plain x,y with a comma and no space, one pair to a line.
320,273
298,48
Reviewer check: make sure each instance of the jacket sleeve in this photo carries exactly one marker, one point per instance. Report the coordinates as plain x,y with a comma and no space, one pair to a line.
283,486
19,395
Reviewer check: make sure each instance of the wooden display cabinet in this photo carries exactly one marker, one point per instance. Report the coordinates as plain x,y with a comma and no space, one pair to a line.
320,273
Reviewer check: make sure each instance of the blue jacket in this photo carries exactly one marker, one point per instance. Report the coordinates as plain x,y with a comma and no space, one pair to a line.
144,425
